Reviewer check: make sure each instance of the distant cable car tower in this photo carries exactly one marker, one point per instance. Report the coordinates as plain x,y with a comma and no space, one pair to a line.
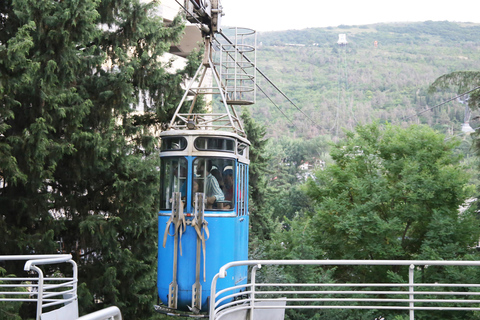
342,39
203,220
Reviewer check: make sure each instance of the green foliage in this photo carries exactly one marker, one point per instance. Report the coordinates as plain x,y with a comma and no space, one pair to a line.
260,219
464,81
285,199
391,193
9,310
395,193
77,169
340,87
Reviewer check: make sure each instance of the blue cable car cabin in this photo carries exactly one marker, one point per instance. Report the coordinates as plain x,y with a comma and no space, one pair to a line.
203,218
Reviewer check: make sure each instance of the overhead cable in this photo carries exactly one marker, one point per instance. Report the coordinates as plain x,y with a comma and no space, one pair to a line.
261,73
273,84
185,9
283,113
459,134
270,99
441,104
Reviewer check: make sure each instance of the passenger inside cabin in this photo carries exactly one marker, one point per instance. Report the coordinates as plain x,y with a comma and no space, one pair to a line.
195,186
228,183
228,188
213,192
216,173
183,180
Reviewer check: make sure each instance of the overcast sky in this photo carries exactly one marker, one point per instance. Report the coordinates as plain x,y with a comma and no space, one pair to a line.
269,15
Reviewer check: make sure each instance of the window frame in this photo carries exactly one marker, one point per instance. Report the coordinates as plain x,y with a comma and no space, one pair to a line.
165,141
226,140
166,182
232,162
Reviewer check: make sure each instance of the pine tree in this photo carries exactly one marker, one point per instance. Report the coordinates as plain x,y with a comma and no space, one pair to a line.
260,217
77,169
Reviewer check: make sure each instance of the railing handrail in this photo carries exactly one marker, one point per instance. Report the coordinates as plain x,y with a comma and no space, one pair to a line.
222,273
107,313
44,298
218,307
34,257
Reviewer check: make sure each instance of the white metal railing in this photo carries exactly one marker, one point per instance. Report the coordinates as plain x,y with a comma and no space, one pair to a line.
408,296
55,296
110,313
46,292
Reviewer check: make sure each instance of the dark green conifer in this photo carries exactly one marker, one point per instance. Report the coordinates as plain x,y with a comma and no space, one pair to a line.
77,168
260,217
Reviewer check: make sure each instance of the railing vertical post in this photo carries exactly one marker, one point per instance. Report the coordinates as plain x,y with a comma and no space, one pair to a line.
213,290
411,289
39,291
74,274
404,298
252,295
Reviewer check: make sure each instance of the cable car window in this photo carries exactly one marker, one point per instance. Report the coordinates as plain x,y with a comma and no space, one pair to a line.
173,144
173,178
216,178
242,193
242,148
219,144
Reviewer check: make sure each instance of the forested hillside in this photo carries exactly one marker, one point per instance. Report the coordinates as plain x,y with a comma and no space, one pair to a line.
383,73
76,179
387,188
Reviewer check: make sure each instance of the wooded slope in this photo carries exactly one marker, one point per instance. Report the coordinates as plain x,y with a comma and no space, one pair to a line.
340,86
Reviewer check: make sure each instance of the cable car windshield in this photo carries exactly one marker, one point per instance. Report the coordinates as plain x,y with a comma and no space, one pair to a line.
215,177
173,178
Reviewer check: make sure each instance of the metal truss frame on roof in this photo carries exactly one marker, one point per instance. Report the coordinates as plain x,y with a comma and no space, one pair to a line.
233,81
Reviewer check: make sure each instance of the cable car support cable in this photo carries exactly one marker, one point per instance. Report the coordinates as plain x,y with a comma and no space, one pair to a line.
266,95
273,84
260,72
276,106
441,104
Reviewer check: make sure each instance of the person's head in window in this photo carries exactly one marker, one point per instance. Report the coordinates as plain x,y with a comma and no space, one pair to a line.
216,173
213,192
200,171
210,166
228,182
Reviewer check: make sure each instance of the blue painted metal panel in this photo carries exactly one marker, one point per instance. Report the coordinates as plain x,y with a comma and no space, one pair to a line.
228,242
227,239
